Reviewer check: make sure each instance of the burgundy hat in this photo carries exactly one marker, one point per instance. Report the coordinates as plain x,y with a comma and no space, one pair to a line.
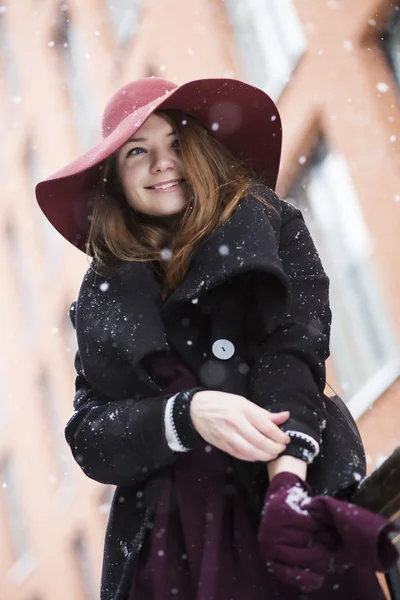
243,118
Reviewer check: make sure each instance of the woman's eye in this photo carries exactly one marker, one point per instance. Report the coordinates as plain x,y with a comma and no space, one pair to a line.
175,144
135,151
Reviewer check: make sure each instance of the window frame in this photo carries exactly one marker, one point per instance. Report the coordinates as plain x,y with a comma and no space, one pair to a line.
279,35
369,390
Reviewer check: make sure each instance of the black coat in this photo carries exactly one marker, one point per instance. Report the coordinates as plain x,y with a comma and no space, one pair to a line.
256,282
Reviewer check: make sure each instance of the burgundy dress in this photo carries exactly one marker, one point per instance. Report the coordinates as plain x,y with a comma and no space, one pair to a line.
203,542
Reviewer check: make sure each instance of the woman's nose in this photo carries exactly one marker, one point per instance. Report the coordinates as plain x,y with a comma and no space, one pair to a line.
162,161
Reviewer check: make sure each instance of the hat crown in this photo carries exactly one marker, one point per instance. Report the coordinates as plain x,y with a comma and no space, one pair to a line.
131,98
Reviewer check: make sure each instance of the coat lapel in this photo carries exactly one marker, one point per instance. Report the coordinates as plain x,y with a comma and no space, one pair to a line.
247,242
120,319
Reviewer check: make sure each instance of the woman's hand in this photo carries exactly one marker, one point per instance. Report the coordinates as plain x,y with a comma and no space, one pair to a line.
287,535
302,538
238,426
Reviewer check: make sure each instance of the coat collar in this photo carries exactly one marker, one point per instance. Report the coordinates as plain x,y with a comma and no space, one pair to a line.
247,242
119,320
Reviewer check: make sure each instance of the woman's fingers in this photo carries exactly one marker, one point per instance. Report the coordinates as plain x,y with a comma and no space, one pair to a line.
262,420
247,449
272,442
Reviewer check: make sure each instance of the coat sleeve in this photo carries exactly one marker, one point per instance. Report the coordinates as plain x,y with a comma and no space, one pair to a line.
124,442
289,372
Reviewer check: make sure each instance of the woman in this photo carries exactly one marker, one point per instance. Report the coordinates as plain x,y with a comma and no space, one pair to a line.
203,327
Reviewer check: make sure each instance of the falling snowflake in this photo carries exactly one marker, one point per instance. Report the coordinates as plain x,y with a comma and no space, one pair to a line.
382,87
166,254
104,286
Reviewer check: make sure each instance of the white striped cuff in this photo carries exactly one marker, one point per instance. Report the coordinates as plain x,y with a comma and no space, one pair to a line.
170,429
309,453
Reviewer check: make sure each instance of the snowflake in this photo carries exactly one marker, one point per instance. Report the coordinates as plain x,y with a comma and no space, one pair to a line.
382,87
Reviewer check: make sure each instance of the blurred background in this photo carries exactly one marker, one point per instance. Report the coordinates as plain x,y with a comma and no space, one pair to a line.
334,69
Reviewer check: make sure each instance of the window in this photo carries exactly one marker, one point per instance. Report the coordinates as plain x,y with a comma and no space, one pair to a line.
69,334
363,349
390,41
85,569
10,495
125,18
11,499
5,400
106,498
270,41
51,237
7,57
20,270
76,63
55,429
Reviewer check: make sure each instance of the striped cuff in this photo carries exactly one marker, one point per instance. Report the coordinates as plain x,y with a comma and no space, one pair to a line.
309,446
180,432
170,429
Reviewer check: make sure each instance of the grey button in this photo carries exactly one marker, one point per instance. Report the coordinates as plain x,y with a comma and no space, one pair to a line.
223,349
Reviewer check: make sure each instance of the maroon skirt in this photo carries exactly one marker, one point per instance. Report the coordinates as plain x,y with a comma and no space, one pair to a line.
203,543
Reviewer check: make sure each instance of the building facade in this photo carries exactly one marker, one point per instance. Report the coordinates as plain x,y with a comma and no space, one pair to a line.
334,69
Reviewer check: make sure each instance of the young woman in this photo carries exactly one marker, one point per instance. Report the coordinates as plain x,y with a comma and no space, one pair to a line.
203,328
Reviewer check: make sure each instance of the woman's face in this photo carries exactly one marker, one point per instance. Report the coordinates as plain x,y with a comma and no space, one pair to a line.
150,169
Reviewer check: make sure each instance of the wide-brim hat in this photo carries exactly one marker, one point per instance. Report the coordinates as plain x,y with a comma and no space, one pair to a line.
243,118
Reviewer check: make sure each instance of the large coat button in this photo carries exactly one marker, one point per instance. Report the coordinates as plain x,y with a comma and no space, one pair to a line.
223,349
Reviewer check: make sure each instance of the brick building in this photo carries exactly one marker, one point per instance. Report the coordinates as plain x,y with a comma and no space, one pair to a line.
334,69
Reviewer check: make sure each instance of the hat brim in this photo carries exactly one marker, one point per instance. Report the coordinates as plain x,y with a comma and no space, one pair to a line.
244,118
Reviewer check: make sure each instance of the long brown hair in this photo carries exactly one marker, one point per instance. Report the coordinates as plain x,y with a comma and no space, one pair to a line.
218,182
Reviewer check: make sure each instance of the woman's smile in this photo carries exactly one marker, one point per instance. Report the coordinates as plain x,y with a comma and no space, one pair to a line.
166,186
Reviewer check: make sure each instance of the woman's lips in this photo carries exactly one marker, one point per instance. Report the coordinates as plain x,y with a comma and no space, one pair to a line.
169,186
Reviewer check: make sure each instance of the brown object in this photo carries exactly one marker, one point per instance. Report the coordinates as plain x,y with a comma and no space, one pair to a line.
380,492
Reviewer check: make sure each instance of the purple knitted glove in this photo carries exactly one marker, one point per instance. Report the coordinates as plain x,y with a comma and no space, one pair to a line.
287,535
302,538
